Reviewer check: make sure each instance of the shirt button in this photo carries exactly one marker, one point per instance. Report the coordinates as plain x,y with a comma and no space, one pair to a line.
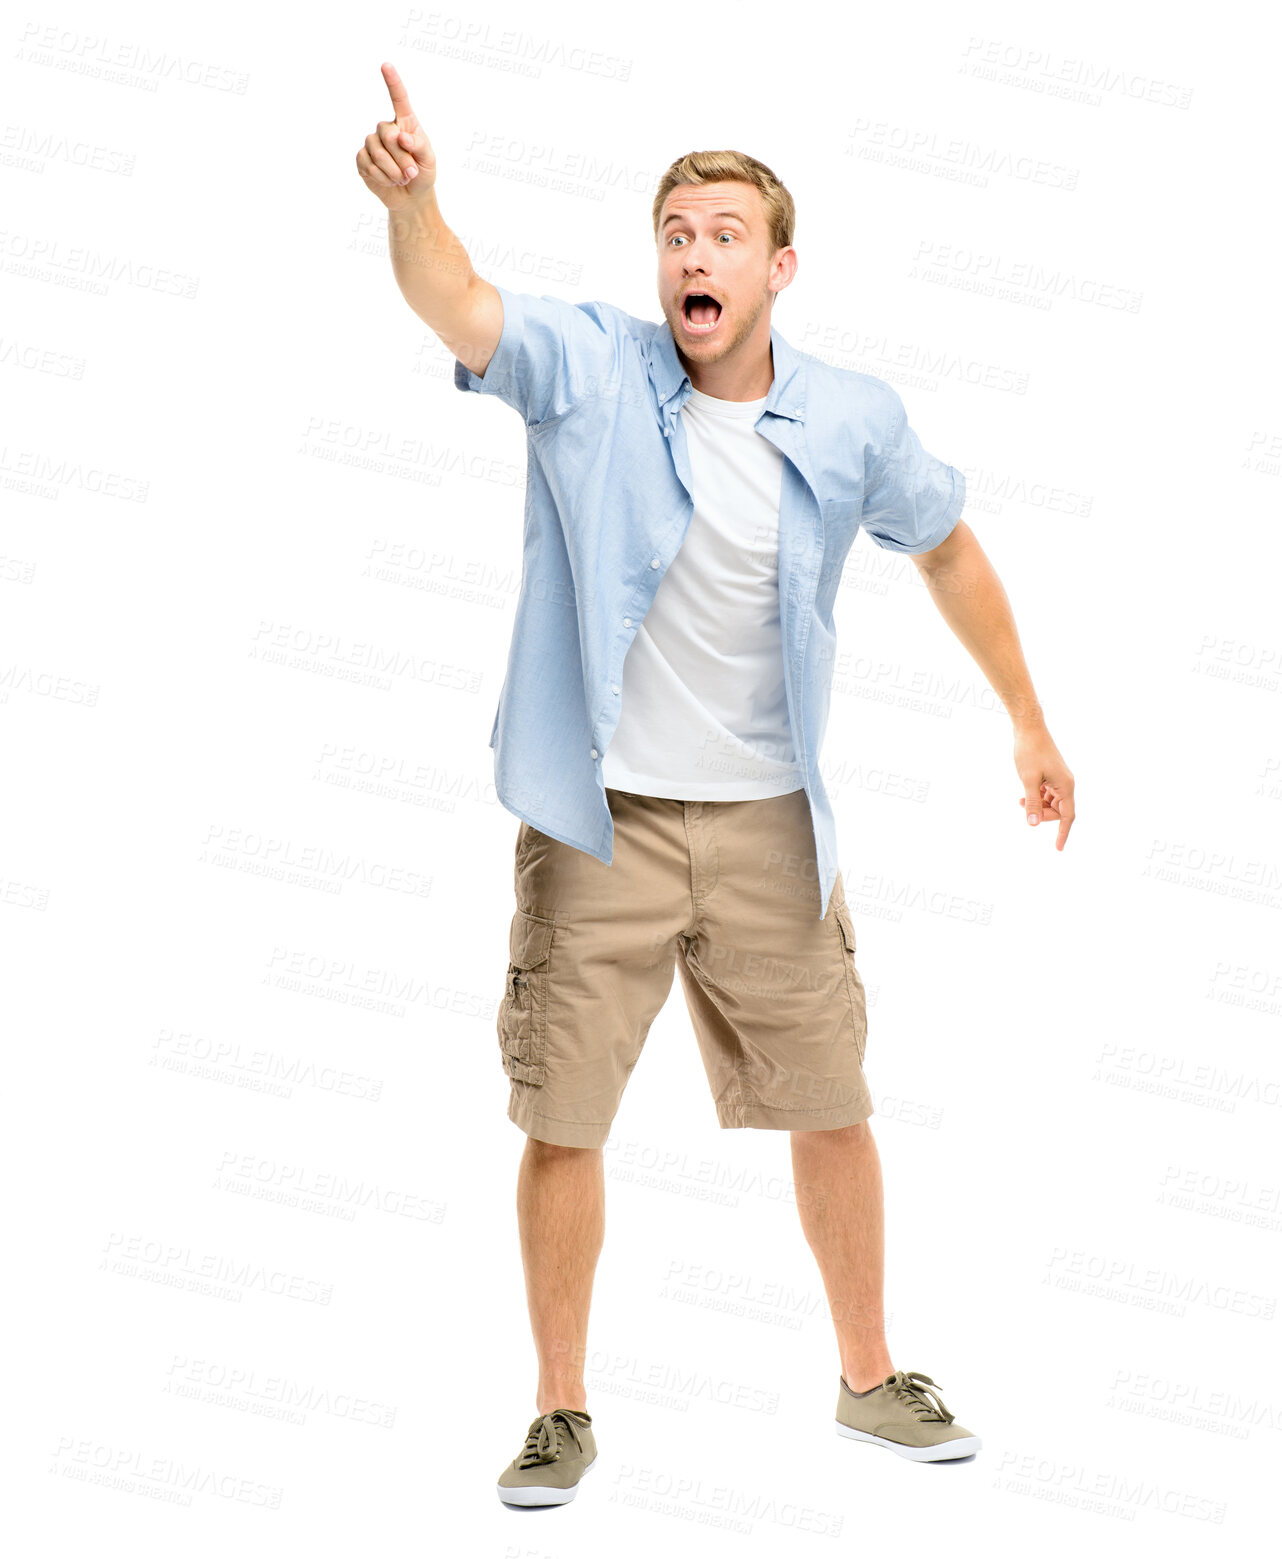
627,622
594,752
613,688
654,562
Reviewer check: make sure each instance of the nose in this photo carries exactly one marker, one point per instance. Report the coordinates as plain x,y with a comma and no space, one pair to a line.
692,258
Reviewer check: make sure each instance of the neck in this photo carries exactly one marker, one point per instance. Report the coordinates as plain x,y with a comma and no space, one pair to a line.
745,374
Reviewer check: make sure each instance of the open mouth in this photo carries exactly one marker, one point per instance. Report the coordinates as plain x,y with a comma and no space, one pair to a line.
701,313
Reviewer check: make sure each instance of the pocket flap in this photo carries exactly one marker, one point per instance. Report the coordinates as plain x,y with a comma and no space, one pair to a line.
842,912
530,940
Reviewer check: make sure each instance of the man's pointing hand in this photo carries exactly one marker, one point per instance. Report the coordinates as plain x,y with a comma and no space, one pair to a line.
1047,781
397,161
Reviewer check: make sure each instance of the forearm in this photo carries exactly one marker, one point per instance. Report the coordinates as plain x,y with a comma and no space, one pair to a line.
972,601
431,266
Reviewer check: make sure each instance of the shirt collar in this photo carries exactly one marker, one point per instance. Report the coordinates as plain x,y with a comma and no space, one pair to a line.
787,394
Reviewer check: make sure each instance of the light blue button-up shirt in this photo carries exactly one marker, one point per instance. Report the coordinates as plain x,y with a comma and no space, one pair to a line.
608,500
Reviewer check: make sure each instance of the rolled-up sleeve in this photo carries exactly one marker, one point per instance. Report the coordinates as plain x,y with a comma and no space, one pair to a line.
551,353
912,500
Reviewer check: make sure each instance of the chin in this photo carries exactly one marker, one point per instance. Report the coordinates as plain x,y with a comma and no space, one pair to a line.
706,348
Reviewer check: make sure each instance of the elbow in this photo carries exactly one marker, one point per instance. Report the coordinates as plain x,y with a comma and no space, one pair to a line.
949,551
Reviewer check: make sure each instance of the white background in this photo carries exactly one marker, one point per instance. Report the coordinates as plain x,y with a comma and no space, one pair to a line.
260,563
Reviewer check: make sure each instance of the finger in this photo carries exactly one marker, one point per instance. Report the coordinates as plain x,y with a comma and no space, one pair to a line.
1067,813
383,160
392,140
400,97
1033,805
374,177
409,133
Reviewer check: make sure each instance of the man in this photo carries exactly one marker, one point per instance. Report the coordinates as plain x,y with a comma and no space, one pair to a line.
694,489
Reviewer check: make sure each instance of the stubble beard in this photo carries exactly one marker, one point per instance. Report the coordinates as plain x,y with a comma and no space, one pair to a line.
746,325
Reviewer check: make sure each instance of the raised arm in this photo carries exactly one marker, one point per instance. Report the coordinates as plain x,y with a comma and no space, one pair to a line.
431,266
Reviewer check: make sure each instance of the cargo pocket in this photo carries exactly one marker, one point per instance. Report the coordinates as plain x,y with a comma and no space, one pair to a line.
854,985
523,1012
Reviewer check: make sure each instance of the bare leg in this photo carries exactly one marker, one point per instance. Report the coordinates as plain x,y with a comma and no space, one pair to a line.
837,1175
560,1203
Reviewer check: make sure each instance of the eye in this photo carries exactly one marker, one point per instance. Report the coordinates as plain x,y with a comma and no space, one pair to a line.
674,238
725,235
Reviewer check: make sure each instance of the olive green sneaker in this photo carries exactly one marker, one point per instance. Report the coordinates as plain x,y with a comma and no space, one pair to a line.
905,1417
558,1450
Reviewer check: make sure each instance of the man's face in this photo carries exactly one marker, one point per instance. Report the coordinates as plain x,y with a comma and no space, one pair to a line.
714,242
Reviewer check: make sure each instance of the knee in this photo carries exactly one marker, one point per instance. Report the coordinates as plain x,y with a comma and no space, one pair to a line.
837,1136
548,1152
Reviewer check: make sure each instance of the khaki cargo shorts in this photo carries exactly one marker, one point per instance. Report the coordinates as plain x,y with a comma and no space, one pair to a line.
725,891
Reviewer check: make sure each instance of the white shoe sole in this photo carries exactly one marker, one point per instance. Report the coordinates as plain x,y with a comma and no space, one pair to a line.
540,1493
947,1451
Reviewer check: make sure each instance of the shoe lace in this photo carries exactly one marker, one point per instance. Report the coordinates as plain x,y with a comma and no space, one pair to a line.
543,1443
912,1387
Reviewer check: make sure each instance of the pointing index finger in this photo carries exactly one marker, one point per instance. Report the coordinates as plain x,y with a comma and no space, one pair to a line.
401,109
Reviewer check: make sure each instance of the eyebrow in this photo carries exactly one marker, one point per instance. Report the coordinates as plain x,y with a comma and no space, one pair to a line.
679,216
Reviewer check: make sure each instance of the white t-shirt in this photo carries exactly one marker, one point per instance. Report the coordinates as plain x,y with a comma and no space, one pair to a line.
704,714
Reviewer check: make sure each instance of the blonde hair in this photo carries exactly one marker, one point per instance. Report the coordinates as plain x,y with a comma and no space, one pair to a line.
716,167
